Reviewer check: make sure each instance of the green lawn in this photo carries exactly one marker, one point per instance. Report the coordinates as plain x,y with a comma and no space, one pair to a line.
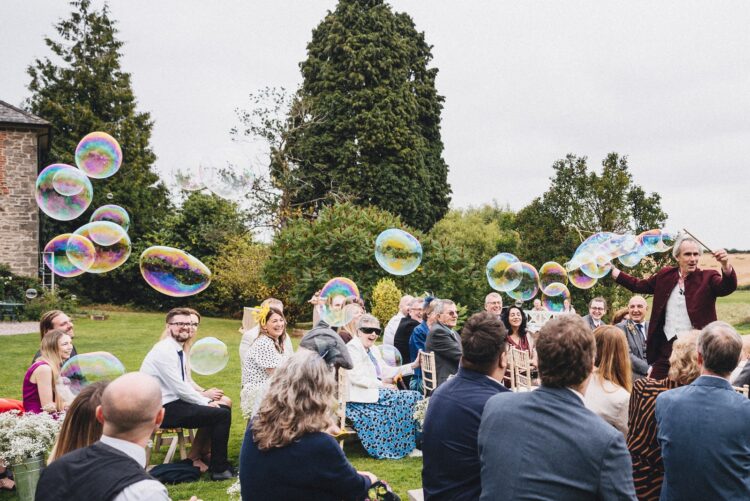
129,336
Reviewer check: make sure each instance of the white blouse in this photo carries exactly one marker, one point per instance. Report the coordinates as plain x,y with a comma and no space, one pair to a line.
609,401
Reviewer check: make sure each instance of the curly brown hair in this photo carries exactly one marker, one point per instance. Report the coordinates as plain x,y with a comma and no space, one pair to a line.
566,350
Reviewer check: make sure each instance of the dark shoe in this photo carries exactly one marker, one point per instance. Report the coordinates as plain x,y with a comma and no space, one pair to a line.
227,474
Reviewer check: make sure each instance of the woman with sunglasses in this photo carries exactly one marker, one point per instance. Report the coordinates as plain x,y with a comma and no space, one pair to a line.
381,414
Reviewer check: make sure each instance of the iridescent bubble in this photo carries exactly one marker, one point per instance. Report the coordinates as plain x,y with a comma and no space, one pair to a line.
208,356
31,293
55,205
98,155
188,179
554,297
174,272
632,259
581,280
87,368
650,241
398,252
619,245
111,242
527,278
496,272
597,266
69,182
113,214
334,294
552,273
668,239
58,249
226,175
391,355
110,196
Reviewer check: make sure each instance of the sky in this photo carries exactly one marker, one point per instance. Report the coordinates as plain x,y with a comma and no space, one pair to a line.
525,83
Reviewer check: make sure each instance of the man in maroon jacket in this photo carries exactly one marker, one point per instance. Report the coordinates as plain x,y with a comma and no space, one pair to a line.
684,298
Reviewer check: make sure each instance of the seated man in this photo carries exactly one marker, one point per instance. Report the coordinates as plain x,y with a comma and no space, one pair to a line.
545,444
702,427
444,341
451,460
184,405
55,320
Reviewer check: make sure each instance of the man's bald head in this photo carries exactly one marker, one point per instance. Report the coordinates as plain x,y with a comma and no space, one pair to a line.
405,303
131,404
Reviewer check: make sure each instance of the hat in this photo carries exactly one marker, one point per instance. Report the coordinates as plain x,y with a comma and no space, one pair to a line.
329,345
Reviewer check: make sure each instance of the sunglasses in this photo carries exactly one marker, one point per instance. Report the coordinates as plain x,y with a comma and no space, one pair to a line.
370,330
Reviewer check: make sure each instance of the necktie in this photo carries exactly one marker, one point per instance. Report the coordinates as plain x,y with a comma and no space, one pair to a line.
640,330
374,362
182,367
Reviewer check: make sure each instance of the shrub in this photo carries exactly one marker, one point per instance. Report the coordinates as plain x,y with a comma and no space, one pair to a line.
385,298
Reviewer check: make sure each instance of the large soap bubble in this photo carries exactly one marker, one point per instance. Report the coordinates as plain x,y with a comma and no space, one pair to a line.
113,214
391,355
398,252
58,249
84,369
552,273
334,295
527,278
208,356
496,272
174,272
554,297
59,205
225,174
581,280
189,179
98,155
111,242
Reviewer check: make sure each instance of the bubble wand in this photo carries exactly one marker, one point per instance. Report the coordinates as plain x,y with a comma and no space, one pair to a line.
696,239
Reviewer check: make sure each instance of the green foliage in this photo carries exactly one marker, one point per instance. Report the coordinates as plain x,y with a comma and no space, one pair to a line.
385,298
373,116
13,287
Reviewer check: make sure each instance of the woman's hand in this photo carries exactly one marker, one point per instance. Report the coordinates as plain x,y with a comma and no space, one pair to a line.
417,363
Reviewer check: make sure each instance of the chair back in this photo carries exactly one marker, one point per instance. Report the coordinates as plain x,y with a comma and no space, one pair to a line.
429,372
745,390
521,369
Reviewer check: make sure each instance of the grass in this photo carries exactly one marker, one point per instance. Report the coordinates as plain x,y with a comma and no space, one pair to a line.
129,336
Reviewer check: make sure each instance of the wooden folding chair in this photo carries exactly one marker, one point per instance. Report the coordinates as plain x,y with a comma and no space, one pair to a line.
745,390
342,394
175,439
510,374
429,372
521,369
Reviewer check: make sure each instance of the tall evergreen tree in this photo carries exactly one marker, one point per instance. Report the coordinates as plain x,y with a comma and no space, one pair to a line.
84,89
376,135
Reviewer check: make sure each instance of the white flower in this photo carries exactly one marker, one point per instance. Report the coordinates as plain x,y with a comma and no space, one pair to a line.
234,490
26,436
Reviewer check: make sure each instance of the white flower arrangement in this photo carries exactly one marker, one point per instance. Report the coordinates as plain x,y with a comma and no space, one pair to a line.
234,491
26,436
420,409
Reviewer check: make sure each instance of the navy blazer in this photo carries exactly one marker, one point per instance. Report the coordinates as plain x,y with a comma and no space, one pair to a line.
544,444
705,441
449,444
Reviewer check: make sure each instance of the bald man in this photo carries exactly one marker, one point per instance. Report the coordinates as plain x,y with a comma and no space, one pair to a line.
113,467
403,310
635,330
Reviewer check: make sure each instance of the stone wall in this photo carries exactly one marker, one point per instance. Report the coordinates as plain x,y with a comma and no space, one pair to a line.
19,214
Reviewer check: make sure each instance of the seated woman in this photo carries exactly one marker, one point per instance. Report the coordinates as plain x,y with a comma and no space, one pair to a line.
608,392
265,354
349,329
382,415
41,380
80,428
518,337
287,453
648,468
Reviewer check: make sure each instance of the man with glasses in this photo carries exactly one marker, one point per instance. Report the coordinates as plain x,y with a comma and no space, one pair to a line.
184,405
493,303
597,309
444,341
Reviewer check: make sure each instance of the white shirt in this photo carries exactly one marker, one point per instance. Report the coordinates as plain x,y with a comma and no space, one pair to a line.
676,319
251,335
144,489
609,401
163,363
390,328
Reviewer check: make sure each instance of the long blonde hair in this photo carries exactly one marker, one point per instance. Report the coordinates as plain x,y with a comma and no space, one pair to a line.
613,357
80,427
50,353
300,400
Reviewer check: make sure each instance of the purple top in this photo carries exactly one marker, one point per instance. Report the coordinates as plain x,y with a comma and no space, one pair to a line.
31,402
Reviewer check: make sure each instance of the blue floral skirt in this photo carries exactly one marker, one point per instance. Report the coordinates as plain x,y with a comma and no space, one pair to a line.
386,428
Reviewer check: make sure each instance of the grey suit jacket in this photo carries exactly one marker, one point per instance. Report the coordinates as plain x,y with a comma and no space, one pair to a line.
447,347
590,322
637,347
545,444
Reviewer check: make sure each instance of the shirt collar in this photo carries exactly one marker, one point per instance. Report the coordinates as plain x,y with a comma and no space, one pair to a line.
135,451
172,342
576,392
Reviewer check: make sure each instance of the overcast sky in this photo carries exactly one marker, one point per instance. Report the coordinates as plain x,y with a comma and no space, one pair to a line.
525,83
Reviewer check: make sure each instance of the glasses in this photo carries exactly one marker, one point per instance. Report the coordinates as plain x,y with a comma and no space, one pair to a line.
370,330
597,308
451,313
495,302
190,325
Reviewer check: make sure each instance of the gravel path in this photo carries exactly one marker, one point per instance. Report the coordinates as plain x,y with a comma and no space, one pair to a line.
10,328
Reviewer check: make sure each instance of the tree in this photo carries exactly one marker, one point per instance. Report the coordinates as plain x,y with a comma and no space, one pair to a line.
579,203
84,90
377,132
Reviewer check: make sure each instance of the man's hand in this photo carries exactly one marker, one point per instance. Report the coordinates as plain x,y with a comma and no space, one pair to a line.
213,393
315,299
615,271
213,404
722,256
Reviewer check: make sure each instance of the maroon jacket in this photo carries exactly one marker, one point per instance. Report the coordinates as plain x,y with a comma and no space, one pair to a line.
702,287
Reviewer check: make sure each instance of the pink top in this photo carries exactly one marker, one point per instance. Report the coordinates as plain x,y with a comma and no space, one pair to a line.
31,402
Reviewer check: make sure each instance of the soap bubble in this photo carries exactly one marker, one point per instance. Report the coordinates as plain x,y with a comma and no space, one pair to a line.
224,174
398,252
113,214
31,293
111,243
668,239
597,266
84,369
554,297
80,248
391,355
496,272
650,241
98,155
551,273
334,294
527,278
174,272
68,182
632,259
188,179
110,196
581,280
56,205
208,356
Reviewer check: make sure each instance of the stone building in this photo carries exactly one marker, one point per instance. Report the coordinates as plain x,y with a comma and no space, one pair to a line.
24,143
